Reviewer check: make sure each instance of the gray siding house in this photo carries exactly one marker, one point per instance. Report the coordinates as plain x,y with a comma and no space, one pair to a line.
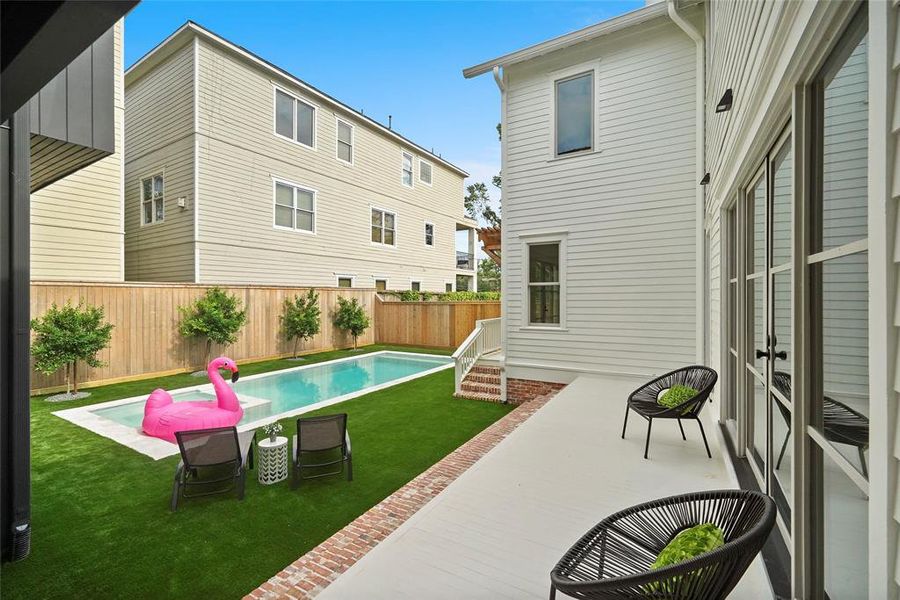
717,183
238,172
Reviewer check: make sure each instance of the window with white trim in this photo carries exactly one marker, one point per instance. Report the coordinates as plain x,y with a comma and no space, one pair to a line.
383,227
544,284
448,287
574,110
406,176
295,207
429,234
344,141
295,119
415,286
380,285
345,282
425,172
153,203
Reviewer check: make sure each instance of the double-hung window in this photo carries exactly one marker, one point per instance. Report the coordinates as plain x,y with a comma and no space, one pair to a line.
406,176
383,227
425,172
345,141
544,284
429,234
574,114
295,119
295,207
153,209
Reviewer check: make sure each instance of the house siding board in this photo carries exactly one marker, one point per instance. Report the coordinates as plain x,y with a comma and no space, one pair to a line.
239,155
76,229
159,139
628,209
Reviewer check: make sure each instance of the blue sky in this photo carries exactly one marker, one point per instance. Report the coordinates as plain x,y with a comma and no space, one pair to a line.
388,58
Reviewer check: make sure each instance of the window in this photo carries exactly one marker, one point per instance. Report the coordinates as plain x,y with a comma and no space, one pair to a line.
383,227
448,287
425,172
345,141
544,284
415,286
575,114
407,170
153,200
295,207
345,282
294,119
381,285
429,234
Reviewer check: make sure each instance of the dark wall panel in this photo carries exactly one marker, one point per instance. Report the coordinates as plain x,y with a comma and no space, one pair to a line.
103,63
79,101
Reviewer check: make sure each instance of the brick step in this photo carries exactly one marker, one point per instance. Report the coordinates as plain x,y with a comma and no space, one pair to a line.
483,370
480,388
483,378
478,396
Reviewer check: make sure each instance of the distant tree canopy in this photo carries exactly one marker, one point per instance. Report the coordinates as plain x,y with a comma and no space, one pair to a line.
478,200
488,276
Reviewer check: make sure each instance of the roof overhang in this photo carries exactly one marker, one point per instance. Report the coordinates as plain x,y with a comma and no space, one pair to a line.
630,19
190,29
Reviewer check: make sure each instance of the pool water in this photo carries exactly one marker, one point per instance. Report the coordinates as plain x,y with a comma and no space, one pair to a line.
274,394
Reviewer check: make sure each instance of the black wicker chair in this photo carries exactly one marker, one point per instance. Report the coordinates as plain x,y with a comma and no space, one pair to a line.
643,401
213,461
613,559
841,423
321,442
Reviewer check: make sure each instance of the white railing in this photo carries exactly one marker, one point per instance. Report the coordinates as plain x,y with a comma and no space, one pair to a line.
483,339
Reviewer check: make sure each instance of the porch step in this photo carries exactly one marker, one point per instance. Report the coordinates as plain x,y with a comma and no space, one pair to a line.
481,383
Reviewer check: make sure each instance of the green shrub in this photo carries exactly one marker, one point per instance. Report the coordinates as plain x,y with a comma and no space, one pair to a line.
410,296
217,317
351,316
64,336
301,318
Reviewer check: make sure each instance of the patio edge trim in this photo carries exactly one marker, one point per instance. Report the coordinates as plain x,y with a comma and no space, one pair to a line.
307,576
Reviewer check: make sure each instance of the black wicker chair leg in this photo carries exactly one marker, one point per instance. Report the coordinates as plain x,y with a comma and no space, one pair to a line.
552,592
783,448
703,433
682,430
862,461
647,444
627,408
176,491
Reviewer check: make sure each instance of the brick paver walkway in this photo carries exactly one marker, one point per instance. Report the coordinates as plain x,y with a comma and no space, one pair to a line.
312,572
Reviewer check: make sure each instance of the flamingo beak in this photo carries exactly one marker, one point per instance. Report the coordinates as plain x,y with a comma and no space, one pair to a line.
234,376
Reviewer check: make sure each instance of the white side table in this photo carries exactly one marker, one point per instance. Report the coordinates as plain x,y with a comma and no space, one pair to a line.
273,460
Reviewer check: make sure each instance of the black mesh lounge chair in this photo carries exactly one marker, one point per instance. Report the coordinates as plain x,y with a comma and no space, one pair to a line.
643,401
213,461
842,424
320,444
613,559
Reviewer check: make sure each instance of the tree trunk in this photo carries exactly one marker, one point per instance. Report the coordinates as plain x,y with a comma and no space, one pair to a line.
354,342
68,378
74,376
296,342
208,351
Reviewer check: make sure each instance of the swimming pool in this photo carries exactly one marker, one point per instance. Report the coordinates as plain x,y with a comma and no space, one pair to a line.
267,396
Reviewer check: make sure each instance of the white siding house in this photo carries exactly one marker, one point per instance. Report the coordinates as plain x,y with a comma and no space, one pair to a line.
770,257
266,179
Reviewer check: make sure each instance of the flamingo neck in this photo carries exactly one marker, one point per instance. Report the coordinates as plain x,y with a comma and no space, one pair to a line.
226,399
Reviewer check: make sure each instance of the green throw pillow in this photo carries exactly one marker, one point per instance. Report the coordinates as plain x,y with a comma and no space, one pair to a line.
676,395
690,543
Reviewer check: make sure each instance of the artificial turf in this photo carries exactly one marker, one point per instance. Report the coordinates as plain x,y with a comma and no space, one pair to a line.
100,511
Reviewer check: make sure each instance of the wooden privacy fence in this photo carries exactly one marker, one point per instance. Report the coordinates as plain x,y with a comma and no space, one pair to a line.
146,342
434,324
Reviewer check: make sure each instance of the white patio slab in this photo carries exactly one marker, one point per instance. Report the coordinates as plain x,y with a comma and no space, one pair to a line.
500,527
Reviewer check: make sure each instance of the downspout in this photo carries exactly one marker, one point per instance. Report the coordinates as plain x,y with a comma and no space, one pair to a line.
699,161
498,79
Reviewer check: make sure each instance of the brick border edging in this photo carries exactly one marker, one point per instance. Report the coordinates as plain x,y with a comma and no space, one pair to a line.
315,570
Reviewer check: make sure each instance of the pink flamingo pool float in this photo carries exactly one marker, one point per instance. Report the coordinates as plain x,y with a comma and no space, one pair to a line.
163,417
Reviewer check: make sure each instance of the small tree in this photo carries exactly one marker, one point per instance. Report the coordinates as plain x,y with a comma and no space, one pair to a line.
64,336
352,317
488,275
217,316
300,320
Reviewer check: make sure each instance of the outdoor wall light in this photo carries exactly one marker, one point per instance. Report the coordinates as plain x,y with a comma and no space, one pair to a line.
705,179
724,104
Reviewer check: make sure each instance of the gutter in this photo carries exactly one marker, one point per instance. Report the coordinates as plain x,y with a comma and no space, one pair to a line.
700,164
500,80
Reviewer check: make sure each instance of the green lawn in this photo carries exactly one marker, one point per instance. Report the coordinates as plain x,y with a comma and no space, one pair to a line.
101,521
